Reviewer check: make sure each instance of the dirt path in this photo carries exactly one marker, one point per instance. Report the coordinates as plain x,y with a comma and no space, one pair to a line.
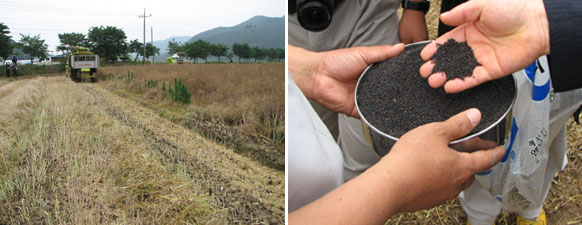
76,153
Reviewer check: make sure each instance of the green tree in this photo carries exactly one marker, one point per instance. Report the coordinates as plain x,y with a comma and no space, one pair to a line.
135,47
69,40
197,49
108,42
34,46
151,50
6,44
260,53
280,54
191,51
174,47
203,48
218,50
243,51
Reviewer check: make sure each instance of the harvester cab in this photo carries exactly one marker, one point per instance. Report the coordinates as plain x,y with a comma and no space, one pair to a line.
81,61
177,58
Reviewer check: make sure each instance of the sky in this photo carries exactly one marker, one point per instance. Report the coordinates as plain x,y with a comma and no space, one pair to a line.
168,18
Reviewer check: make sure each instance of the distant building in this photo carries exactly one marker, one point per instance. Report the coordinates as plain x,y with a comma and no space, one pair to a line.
57,58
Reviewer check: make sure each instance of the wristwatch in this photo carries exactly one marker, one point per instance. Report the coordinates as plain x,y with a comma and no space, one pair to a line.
419,6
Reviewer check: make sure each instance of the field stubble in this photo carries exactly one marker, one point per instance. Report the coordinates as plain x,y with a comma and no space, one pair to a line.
78,154
239,105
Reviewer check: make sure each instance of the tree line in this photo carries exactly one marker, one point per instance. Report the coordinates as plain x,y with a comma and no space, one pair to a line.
202,49
110,43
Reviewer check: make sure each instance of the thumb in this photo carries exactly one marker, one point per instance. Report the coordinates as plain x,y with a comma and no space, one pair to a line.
372,54
465,13
481,161
461,124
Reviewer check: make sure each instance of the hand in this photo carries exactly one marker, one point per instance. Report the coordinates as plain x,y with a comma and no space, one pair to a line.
428,170
505,36
412,27
330,77
421,171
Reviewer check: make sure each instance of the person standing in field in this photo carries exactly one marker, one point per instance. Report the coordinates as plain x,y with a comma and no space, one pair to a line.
7,65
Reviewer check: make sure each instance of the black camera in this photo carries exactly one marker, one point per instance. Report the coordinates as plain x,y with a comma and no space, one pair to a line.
313,15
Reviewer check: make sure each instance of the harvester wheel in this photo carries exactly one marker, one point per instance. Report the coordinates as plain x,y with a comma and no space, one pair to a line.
92,77
75,75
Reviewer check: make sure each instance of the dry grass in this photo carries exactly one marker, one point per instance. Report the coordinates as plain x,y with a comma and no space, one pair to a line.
65,160
563,204
240,105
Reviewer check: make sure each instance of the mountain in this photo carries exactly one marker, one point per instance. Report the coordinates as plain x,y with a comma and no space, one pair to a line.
267,32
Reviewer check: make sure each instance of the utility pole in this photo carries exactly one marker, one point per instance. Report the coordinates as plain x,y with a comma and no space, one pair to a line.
153,54
144,33
250,26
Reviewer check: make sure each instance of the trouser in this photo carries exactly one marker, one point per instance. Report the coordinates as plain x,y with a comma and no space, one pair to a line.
482,208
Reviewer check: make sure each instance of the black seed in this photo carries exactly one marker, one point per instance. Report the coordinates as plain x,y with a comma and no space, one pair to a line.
390,88
455,59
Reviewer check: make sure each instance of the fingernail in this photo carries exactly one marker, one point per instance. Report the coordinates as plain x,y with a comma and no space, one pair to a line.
474,116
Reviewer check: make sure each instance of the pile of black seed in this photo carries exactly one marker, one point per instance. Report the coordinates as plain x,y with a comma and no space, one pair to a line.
393,97
455,59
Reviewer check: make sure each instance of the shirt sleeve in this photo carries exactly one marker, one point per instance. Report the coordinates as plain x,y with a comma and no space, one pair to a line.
565,21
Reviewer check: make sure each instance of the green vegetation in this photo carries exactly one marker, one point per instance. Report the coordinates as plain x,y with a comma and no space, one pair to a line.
244,51
6,44
33,45
71,40
180,92
108,42
26,70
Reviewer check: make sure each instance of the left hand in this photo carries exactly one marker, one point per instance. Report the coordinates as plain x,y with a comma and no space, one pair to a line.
506,36
330,77
412,27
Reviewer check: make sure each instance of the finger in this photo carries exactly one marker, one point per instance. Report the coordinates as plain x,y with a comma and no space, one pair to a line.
465,13
429,50
474,144
436,80
426,69
479,76
461,124
372,54
481,161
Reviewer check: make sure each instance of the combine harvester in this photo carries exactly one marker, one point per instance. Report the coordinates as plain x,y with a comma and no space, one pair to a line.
82,61
177,58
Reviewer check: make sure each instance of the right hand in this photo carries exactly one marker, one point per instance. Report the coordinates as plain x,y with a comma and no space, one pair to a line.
505,36
428,170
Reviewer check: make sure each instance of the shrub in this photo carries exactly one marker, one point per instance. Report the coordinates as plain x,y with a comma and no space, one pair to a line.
180,92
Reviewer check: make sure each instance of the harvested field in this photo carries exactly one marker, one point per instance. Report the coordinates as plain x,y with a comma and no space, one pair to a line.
80,154
238,105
